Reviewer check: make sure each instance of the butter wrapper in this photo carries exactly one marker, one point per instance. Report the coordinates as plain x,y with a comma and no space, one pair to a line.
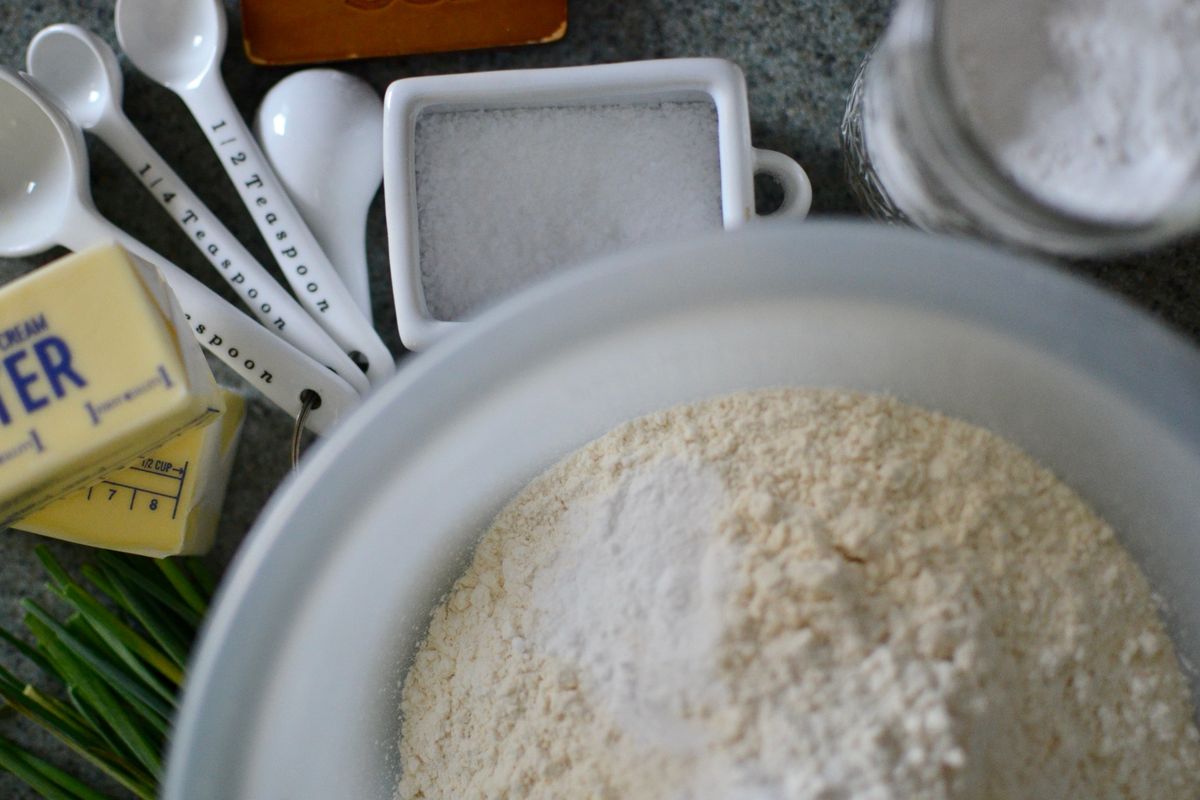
97,365
166,502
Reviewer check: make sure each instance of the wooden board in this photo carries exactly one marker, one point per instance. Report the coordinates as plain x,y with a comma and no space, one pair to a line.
307,31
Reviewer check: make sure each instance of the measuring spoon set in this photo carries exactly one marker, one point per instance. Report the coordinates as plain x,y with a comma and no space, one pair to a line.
327,142
322,340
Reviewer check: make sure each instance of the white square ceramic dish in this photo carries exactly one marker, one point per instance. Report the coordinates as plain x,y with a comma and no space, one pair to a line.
641,82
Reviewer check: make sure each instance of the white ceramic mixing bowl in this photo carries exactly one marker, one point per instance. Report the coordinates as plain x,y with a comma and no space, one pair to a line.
294,693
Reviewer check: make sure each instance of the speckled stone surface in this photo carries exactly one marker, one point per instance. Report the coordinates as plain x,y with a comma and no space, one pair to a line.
799,57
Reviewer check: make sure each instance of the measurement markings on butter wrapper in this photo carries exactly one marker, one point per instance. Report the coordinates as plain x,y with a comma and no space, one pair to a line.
159,482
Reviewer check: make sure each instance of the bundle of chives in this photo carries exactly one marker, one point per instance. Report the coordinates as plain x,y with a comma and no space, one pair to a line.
113,664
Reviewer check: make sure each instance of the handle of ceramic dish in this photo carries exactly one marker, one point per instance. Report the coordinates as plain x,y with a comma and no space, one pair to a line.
265,298
305,266
278,370
797,190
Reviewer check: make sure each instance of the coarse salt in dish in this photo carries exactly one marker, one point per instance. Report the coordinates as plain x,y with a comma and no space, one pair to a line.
507,196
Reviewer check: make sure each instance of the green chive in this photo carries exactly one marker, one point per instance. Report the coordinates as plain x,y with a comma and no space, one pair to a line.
53,706
183,585
43,777
121,677
97,579
153,583
103,729
36,658
152,708
202,574
121,637
52,567
168,639
96,693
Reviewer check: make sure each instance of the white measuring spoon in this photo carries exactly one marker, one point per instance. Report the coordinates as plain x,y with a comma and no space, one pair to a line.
179,43
81,71
322,130
45,201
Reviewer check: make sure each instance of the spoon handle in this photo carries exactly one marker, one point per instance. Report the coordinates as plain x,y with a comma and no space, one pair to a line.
265,298
346,251
305,266
271,365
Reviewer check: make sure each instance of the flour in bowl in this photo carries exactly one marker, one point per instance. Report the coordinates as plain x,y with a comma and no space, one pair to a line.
798,594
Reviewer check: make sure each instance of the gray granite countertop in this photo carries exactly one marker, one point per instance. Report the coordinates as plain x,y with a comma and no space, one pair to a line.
799,57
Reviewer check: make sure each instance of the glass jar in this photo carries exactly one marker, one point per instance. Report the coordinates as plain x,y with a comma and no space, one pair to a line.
912,157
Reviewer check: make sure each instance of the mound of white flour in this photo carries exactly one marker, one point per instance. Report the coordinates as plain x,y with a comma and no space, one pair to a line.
798,594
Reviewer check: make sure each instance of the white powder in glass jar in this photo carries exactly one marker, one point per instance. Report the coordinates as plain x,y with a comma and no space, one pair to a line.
797,594
1092,106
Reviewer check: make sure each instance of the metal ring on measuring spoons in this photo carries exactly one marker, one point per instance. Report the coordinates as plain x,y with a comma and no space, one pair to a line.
309,401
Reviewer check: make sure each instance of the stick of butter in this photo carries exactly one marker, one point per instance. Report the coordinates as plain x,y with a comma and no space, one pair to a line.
97,365
165,503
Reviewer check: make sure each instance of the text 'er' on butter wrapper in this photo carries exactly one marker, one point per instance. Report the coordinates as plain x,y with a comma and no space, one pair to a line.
97,365
164,503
